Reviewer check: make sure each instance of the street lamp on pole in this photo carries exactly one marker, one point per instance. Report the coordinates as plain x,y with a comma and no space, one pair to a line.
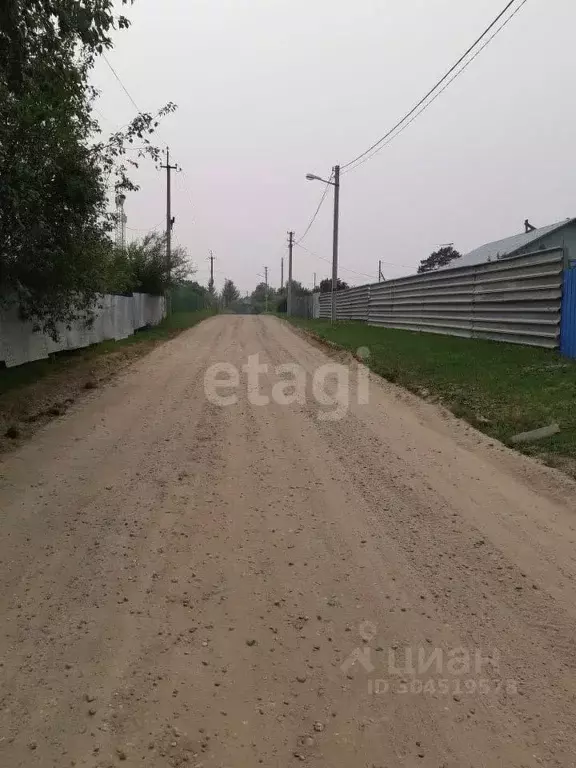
336,185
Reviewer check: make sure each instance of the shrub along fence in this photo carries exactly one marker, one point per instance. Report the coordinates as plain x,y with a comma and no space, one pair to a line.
516,300
116,317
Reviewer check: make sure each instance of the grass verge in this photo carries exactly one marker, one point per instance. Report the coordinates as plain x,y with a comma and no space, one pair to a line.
501,389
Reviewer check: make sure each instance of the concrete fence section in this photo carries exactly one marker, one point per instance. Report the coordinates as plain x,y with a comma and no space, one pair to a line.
316,305
303,306
116,317
517,300
355,304
306,306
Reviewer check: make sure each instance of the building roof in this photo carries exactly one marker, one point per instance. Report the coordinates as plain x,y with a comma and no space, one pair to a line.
501,249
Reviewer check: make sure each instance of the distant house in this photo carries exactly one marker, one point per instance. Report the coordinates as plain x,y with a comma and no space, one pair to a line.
561,235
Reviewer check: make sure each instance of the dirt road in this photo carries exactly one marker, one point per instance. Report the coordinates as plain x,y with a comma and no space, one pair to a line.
184,583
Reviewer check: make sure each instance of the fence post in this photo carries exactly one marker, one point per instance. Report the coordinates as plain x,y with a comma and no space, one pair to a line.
473,304
368,300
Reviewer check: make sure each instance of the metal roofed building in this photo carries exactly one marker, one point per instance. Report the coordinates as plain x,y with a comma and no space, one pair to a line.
560,235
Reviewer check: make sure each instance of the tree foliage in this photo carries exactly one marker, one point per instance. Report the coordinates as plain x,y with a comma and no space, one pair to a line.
258,298
326,285
439,258
230,293
299,290
259,294
143,267
54,168
190,296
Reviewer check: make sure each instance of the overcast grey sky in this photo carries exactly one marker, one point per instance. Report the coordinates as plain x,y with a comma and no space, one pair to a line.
268,90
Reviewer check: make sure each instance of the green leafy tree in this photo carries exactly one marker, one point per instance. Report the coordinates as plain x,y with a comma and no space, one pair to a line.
241,306
230,293
440,258
55,169
258,298
143,268
297,290
326,285
259,293
190,296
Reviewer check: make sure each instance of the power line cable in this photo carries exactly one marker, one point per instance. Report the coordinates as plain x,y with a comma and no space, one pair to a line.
183,177
329,261
124,88
117,76
437,95
146,229
417,110
127,92
364,274
440,82
320,204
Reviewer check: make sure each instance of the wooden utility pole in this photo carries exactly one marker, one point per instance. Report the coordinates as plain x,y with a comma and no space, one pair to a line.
266,282
169,218
333,313
289,296
335,239
211,283
282,273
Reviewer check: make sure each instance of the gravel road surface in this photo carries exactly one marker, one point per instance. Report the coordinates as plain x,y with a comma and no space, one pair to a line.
189,584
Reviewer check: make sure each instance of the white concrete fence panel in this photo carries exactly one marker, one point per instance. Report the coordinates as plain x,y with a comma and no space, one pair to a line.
116,317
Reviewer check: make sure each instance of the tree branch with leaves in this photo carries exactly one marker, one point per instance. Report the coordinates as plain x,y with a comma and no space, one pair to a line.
54,172
440,258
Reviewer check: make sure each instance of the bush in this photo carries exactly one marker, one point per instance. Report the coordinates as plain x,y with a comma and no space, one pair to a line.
143,267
